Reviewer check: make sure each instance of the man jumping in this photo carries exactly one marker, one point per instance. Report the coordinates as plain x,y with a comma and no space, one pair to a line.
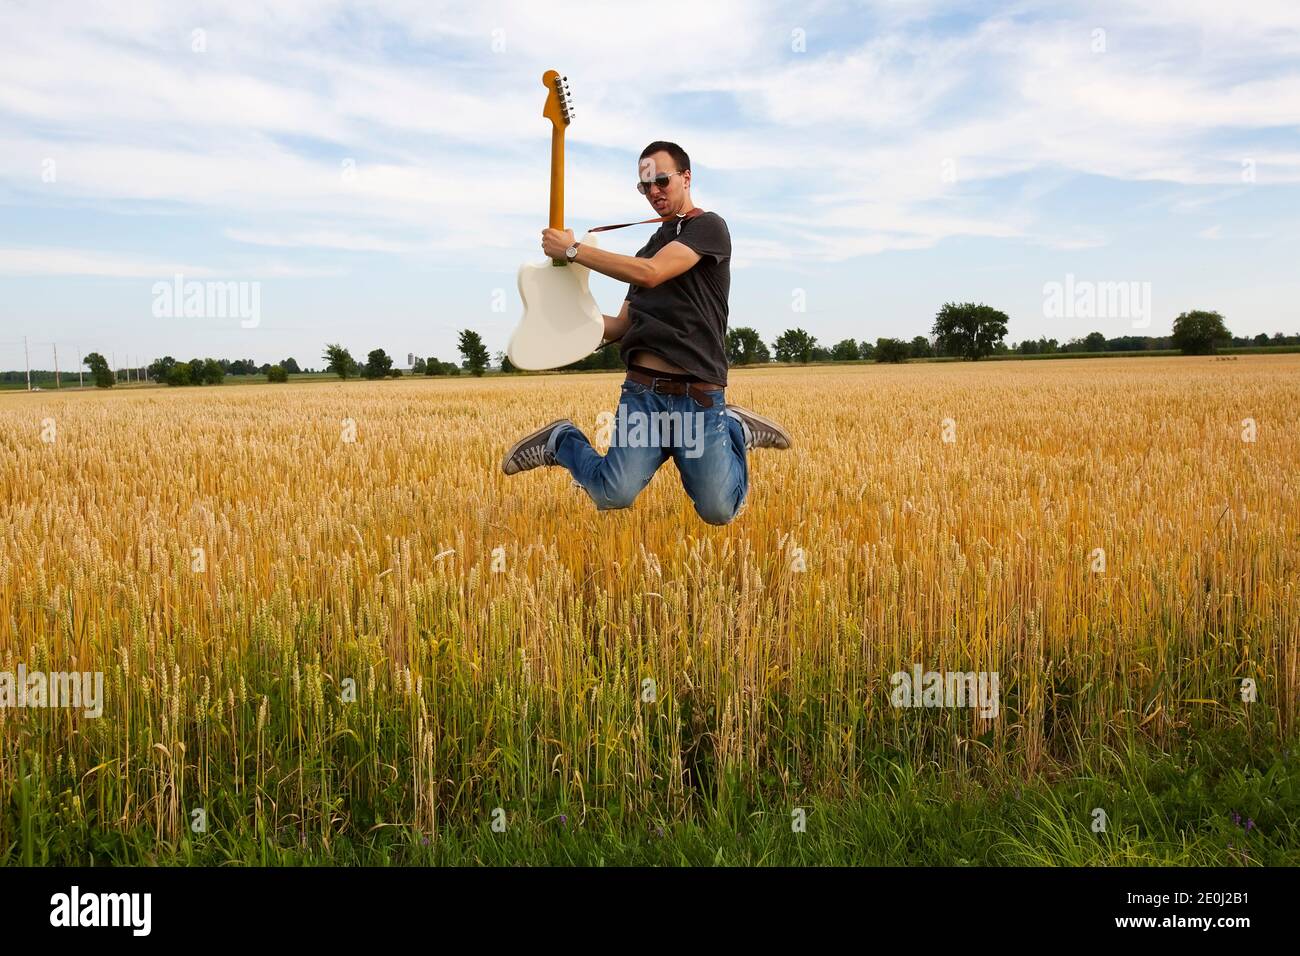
672,329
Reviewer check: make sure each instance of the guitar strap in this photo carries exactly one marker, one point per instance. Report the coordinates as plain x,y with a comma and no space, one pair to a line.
621,225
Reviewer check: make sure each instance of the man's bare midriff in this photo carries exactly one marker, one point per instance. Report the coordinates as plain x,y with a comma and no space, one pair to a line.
651,360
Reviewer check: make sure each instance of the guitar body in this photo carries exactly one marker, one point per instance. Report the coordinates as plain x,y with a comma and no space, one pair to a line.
561,323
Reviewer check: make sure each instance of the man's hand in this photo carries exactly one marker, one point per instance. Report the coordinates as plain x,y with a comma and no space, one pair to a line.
556,241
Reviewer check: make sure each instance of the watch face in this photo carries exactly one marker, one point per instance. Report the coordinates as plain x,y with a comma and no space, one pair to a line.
572,251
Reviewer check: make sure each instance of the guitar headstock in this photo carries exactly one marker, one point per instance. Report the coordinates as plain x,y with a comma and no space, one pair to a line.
559,103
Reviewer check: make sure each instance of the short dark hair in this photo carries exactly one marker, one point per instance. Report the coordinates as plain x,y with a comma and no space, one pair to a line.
672,149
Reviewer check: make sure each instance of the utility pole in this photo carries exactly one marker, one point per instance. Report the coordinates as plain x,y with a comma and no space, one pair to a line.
56,365
28,358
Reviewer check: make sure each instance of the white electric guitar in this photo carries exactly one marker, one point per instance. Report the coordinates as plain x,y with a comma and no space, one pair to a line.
561,323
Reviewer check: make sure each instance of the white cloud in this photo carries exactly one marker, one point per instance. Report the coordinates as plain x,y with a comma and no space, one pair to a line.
81,262
900,139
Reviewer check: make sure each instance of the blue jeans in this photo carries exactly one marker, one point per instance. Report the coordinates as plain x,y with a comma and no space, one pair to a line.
706,444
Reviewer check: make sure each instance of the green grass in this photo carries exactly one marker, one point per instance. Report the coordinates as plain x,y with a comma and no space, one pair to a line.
1162,809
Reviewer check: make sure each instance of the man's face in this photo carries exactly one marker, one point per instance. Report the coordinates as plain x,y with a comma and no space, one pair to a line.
669,199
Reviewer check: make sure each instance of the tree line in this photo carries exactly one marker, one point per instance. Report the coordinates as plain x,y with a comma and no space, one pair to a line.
961,330
966,330
210,371
379,364
973,331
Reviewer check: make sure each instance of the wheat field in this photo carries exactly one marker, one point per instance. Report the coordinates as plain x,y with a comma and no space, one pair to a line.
303,632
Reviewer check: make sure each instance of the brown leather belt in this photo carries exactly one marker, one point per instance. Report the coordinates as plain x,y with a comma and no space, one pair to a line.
674,386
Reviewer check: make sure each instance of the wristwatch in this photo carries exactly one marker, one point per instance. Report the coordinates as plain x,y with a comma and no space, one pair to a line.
571,253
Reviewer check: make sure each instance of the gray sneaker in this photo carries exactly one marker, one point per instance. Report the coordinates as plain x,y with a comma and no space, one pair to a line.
533,451
760,432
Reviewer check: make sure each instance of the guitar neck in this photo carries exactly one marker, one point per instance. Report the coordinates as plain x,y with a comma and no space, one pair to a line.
557,176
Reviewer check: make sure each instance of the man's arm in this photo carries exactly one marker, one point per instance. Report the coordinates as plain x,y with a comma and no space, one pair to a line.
616,326
668,263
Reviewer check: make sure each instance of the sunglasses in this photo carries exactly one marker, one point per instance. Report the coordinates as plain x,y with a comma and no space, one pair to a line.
661,181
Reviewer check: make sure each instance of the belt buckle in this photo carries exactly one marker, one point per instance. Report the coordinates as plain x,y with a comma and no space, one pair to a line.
654,384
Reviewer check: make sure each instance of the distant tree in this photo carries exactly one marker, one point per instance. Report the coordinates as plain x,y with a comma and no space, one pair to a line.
609,357
1094,342
891,350
419,366
968,330
291,367
920,347
394,372
99,370
159,368
1128,343
433,366
845,350
866,350
1040,346
178,374
473,352
277,373
241,367
213,373
745,347
794,345
819,354
339,361
1199,333
378,364
504,362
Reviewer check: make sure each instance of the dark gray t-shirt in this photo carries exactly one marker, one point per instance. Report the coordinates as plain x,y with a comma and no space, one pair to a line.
684,320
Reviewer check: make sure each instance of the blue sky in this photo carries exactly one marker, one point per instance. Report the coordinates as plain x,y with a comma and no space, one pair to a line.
380,169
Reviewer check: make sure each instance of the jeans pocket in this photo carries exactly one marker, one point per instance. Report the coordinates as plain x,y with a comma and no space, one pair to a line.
716,394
